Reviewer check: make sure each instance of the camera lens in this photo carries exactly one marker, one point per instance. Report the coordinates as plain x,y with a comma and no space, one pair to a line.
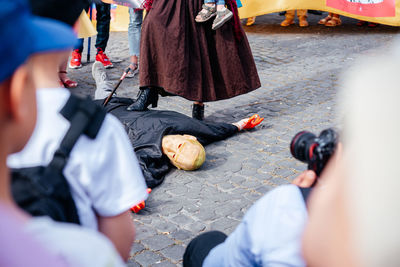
301,145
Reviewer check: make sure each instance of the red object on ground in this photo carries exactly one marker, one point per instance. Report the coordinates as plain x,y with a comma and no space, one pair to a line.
253,121
141,205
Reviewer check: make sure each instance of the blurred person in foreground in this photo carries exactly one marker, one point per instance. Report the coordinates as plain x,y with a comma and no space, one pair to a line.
354,220
103,174
352,215
25,38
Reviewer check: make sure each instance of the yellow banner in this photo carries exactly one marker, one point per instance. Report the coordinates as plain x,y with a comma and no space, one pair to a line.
378,11
119,18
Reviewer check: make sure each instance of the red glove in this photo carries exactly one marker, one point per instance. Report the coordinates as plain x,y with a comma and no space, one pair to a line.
253,121
141,205
249,123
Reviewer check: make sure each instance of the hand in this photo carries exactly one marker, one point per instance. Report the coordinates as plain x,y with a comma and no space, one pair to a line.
249,123
253,121
305,179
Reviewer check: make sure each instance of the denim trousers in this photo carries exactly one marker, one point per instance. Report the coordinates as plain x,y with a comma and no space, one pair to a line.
103,18
134,31
218,2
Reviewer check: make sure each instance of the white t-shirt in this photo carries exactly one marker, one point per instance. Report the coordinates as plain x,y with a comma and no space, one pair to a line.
103,173
77,246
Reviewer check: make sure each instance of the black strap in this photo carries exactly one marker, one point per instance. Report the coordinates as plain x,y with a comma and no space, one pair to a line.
85,117
305,192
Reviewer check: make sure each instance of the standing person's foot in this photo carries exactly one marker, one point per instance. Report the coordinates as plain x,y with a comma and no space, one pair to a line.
134,70
145,97
102,57
303,21
287,22
103,84
250,21
75,62
65,81
325,20
361,23
198,112
333,22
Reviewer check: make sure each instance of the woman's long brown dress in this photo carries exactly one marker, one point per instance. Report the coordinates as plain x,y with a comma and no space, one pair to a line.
190,59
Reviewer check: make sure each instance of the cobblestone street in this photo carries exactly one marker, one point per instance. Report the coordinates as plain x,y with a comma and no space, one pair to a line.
300,72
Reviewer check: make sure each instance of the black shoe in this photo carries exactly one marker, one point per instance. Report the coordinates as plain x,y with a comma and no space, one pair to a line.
198,112
145,97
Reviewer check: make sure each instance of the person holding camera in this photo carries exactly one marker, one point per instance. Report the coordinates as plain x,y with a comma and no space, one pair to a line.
352,215
271,230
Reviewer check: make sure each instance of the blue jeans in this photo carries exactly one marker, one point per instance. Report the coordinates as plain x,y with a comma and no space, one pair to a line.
134,30
218,2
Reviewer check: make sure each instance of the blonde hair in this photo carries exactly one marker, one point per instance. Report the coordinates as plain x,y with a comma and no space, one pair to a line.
370,106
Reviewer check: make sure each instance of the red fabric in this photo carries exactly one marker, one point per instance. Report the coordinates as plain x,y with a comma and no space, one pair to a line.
147,4
232,6
387,8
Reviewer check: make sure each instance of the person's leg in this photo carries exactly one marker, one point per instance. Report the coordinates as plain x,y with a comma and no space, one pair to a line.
198,111
79,45
76,55
134,30
103,84
302,15
208,11
200,246
223,15
103,25
62,74
289,18
103,33
326,19
334,21
250,21
220,5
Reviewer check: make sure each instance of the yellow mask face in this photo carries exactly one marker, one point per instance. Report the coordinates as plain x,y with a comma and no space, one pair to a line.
184,151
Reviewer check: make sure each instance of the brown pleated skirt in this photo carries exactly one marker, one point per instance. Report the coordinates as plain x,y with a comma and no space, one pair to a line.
190,59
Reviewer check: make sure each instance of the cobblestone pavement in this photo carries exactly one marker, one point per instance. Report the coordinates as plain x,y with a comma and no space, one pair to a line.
300,71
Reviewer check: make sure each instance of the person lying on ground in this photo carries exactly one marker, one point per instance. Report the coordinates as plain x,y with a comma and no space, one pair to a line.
153,132
26,38
103,173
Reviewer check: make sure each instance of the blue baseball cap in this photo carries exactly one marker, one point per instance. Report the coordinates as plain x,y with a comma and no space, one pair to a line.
22,34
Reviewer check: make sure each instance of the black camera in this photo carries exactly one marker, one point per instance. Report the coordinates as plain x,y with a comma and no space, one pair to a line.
313,150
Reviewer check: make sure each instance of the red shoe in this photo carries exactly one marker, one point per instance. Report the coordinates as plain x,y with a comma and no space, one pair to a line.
65,81
75,62
102,57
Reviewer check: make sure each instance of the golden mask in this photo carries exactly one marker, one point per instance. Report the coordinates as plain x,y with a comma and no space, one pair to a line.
184,151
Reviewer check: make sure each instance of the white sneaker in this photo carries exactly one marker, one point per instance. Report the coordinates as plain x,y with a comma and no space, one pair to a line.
103,84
